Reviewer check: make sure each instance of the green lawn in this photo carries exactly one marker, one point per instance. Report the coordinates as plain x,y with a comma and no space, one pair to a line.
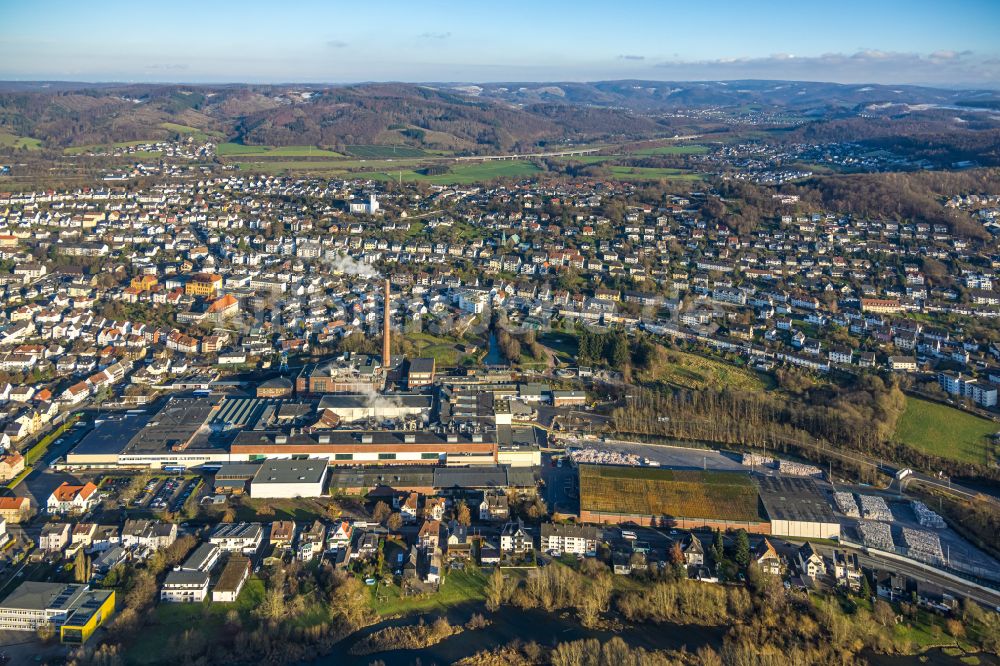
945,431
686,149
565,345
8,140
443,349
384,152
238,149
171,620
650,173
458,587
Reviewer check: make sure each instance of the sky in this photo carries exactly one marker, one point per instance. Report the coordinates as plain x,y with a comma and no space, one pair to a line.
945,43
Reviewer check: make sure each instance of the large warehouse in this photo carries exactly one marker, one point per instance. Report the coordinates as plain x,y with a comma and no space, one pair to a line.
797,508
191,431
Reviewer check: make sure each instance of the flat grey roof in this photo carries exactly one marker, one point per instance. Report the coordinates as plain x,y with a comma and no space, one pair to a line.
794,498
470,477
186,577
236,471
359,400
201,555
111,435
422,364
369,477
31,595
312,470
273,438
177,423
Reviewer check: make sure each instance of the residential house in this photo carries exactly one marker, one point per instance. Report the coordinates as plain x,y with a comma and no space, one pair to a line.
514,538
238,537
767,558
458,544
232,579
11,464
150,534
185,586
312,542
15,509
694,552
569,539
282,534
54,537
494,506
429,536
846,570
809,562
69,498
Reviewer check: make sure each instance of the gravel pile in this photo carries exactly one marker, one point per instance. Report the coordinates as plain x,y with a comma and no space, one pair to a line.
847,504
599,457
757,460
877,535
926,517
875,508
799,469
923,546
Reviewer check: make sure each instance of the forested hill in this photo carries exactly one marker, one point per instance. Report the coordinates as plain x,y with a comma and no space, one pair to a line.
454,117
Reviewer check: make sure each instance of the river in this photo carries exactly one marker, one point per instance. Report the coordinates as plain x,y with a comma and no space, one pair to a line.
493,354
509,624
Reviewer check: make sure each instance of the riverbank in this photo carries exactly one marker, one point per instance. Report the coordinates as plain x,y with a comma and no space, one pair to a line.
509,624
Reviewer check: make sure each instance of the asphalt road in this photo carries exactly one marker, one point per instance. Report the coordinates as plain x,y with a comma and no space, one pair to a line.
42,480
674,457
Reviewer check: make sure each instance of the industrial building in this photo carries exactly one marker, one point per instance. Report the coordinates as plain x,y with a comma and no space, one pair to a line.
371,447
350,408
350,373
420,372
431,480
289,478
797,508
75,610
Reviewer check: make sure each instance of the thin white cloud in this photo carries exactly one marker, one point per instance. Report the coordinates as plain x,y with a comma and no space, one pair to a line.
864,66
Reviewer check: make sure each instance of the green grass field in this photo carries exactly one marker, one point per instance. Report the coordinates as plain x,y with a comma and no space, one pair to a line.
686,149
945,431
586,159
650,173
240,150
79,150
8,140
458,587
198,134
460,174
384,152
699,372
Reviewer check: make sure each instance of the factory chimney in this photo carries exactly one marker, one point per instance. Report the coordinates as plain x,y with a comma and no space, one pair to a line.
385,329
